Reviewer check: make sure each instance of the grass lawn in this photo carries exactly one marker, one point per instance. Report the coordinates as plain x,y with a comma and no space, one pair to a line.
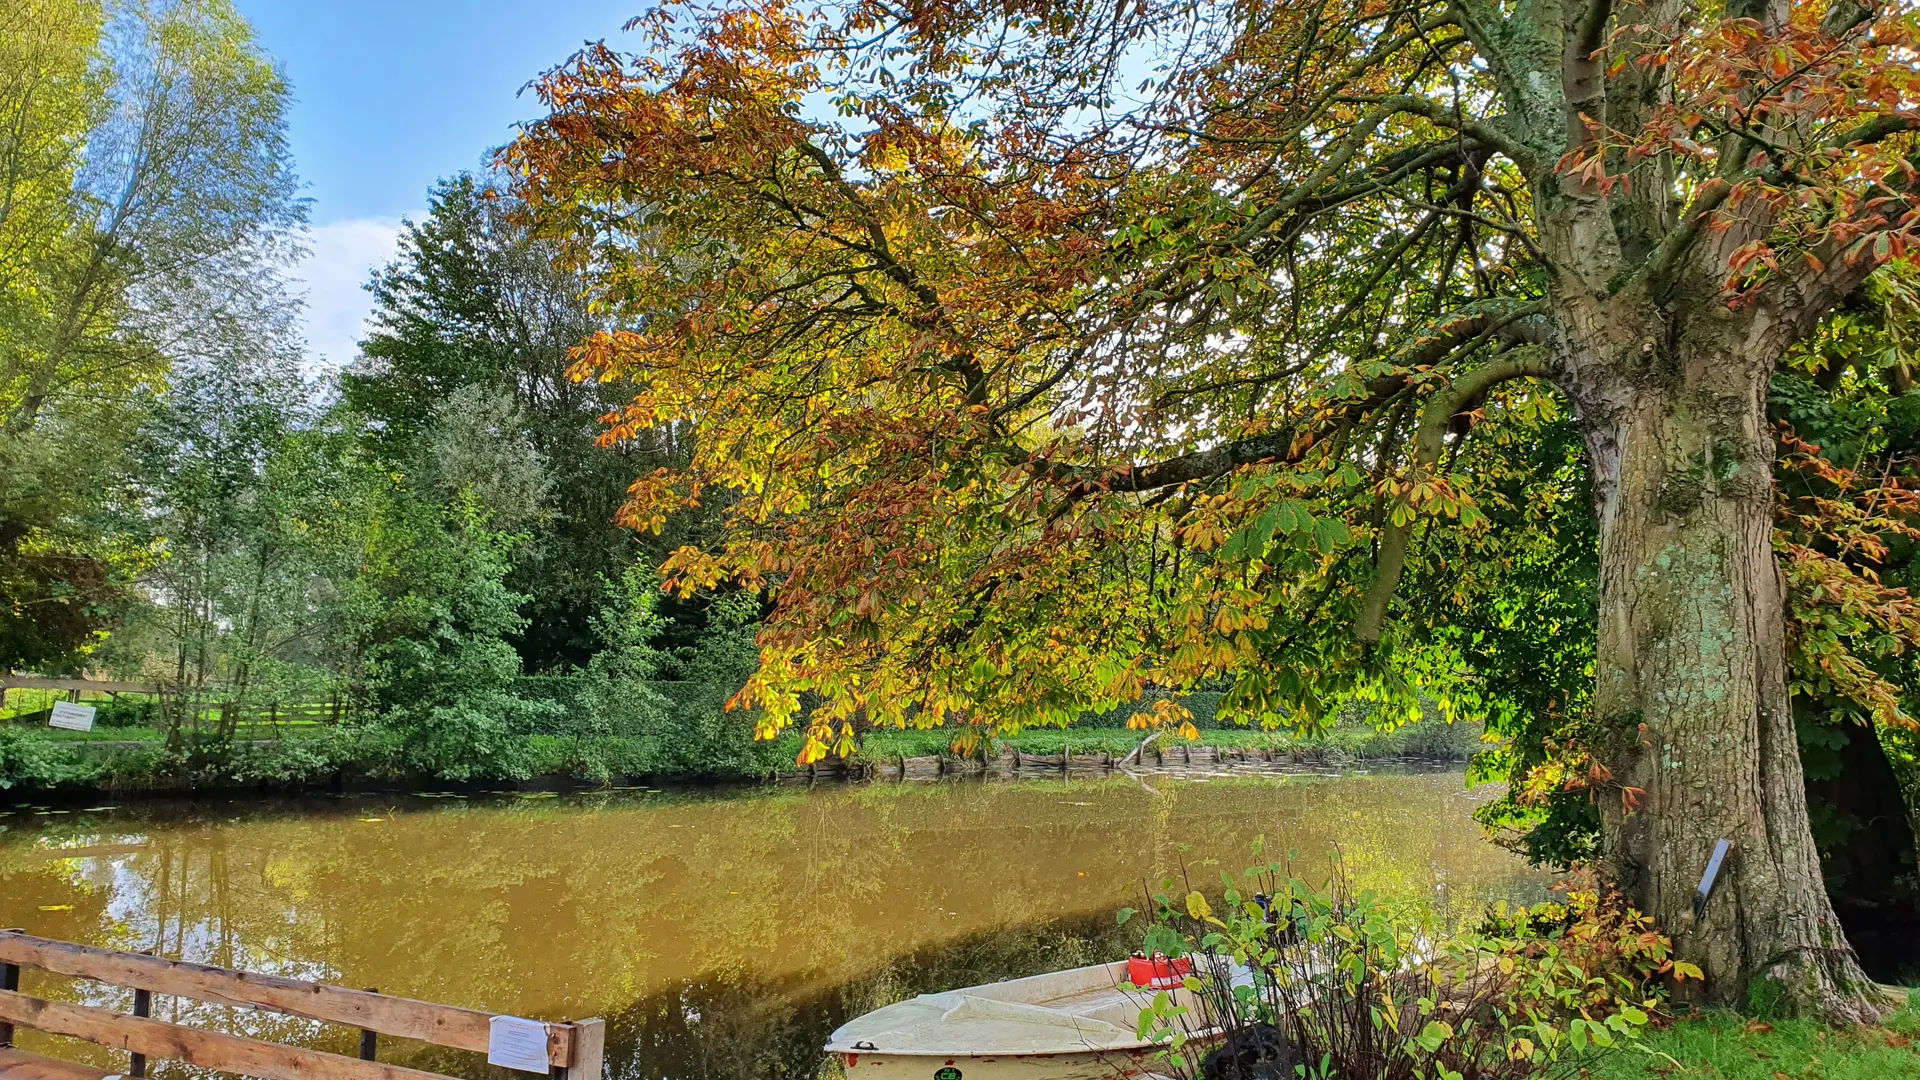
1727,1047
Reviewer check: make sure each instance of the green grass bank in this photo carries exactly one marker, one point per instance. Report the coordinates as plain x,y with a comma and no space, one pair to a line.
305,754
1725,1046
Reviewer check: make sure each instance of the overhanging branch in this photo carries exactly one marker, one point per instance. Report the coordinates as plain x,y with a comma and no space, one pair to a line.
1446,116
1523,362
1507,319
1876,130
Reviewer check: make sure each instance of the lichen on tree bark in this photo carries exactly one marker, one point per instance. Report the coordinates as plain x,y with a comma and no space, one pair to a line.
1691,671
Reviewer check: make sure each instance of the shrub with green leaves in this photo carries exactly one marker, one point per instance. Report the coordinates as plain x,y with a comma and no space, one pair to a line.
29,759
1369,988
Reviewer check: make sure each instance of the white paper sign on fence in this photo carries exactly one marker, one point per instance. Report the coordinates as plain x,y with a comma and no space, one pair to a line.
517,1043
70,716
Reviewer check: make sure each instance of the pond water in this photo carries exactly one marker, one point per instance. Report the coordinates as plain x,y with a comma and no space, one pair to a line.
721,933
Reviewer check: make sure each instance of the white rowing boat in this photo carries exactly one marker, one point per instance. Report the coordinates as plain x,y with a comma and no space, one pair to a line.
1078,1024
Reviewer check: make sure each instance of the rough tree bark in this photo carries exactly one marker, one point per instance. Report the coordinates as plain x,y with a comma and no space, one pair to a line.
1692,702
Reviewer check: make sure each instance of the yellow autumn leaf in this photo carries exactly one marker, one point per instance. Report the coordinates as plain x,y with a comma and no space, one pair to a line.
1198,907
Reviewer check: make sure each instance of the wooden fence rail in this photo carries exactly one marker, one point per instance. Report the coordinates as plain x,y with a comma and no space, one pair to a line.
574,1050
94,686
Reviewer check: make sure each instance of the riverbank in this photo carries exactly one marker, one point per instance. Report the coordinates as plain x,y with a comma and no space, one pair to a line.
1353,741
36,763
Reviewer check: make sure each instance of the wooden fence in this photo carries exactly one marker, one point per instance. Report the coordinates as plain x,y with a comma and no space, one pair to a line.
574,1050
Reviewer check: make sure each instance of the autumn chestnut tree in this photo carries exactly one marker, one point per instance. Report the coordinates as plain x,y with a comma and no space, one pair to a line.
1047,353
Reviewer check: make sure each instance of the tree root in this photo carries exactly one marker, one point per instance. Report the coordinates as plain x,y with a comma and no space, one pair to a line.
1826,984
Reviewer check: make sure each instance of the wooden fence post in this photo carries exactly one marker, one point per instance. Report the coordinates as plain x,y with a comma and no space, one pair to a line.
142,1006
589,1049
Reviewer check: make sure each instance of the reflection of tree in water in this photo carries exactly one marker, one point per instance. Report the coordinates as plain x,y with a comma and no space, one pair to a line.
720,1031
719,1028
761,911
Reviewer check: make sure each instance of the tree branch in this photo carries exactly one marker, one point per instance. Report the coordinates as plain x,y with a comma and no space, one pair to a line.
1876,129
1504,317
1524,362
1447,117
1582,70
1660,263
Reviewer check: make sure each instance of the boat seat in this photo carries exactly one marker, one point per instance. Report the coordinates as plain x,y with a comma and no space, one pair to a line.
20,1065
1109,1005
1122,1014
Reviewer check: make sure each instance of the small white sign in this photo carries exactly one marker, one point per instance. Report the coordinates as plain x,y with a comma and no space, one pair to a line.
517,1043
70,716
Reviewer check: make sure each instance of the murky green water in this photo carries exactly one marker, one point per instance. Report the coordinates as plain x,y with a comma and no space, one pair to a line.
721,934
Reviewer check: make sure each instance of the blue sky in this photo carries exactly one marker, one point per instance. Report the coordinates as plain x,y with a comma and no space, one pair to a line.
391,96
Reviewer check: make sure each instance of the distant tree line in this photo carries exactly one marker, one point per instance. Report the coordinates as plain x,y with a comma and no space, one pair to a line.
183,502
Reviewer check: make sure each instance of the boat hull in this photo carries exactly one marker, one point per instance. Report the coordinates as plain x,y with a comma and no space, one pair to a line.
1077,1024
1092,1065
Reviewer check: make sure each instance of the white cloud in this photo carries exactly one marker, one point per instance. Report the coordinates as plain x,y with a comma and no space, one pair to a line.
335,272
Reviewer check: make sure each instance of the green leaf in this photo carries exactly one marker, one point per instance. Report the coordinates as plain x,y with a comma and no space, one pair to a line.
1330,535
1434,1035
1251,541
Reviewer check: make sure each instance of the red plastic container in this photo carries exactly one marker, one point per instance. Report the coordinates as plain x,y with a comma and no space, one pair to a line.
1159,972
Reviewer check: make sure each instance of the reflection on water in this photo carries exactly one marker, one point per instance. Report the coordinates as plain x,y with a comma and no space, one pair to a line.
722,934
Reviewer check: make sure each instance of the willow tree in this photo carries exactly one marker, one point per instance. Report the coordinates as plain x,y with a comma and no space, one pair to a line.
1049,353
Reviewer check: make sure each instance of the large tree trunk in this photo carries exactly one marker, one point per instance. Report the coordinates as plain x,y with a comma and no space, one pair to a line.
1691,705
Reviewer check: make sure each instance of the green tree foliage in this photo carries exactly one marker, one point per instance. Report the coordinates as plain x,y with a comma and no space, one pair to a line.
469,360
671,702
438,663
1517,607
405,550
620,698
712,732
238,513
182,201
148,201
50,96
54,587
